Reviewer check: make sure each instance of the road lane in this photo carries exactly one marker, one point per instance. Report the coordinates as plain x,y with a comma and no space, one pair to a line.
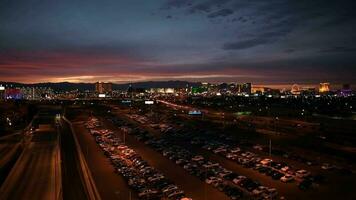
73,187
33,174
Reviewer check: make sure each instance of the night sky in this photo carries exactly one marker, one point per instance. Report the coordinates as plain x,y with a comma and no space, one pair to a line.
259,41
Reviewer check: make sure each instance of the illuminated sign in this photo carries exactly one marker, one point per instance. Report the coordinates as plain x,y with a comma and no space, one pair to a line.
243,113
102,95
194,112
2,87
149,102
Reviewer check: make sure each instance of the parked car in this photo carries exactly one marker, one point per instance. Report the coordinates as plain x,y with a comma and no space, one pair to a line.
287,178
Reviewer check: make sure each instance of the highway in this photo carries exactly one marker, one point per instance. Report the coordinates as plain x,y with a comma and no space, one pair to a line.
36,174
73,187
7,147
264,125
9,154
10,149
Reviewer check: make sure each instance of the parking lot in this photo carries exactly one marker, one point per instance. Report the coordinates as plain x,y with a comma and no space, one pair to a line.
294,177
191,186
110,186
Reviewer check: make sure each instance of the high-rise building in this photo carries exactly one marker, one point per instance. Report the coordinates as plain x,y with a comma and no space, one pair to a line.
295,89
13,93
37,93
2,92
246,88
346,90
103,88
324,87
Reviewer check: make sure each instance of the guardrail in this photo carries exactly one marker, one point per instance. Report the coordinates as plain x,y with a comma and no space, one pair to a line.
58,171
89,182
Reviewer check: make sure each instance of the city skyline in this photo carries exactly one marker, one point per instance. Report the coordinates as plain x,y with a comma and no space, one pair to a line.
195,40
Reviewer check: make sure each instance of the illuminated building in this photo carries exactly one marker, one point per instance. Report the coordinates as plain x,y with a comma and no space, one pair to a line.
102,88
37,93
257,89
272,92
2,92
162,90
245,88
198,90
346,90
295,89
307,91
324,87
13,93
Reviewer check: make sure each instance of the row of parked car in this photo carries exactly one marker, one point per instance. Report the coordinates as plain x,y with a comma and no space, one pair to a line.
276,170
147,181
231,183
162,127
225,146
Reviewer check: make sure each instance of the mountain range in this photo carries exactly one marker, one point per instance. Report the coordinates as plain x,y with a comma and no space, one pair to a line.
67,86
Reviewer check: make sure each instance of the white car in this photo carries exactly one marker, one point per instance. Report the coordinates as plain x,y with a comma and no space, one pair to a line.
238,179
231,155
219,150
211,165
235,150
287,178
147,192
265,161
327,166
212,179
258,147
197,158
285,169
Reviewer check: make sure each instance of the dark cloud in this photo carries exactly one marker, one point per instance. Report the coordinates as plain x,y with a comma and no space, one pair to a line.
208,6
221,13
177,4
289,50
200,7
134,36
338,49
245,44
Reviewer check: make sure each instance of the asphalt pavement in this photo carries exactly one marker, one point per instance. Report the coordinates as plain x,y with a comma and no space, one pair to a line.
109,184
192,186
73,187
34,174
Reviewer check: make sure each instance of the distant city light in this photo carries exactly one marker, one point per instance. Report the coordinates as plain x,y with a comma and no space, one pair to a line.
149,102
194,112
